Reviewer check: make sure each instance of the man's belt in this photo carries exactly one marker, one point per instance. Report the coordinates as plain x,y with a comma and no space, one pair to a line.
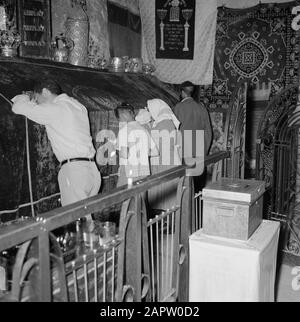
75,160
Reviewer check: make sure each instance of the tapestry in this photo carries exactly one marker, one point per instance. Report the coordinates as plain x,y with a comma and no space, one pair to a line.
198,70
254,45
175,29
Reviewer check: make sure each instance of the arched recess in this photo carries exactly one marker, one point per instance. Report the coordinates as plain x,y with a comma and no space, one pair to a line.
277,157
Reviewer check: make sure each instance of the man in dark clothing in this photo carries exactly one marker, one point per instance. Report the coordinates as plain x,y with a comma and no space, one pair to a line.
193,116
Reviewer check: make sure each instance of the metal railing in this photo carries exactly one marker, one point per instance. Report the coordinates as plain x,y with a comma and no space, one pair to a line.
147,261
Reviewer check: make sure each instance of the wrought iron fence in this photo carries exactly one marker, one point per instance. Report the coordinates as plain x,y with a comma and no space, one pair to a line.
147,261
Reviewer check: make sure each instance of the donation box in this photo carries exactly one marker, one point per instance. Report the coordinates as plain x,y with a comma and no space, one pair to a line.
233,208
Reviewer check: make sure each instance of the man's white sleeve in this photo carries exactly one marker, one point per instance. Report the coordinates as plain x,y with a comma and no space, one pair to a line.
43,114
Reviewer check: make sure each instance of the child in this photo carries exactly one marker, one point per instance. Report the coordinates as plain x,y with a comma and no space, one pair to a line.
135,147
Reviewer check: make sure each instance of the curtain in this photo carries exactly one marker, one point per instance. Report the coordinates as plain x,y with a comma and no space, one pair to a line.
124,29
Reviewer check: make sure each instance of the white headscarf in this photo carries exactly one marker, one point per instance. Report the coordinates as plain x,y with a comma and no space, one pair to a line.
143,117
161,111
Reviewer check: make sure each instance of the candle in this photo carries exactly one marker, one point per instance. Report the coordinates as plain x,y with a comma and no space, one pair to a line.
130,180
91,241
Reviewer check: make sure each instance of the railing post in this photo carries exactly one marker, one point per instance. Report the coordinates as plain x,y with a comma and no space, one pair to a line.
138,247
44,266
130,254
185,232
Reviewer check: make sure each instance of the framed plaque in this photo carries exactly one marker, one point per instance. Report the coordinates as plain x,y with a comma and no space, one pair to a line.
175,29
34,24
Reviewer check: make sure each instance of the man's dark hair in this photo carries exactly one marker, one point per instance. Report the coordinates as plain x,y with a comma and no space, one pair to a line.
49,84
188,88
120,110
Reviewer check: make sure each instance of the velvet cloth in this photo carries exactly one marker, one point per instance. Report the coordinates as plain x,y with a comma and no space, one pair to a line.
99,91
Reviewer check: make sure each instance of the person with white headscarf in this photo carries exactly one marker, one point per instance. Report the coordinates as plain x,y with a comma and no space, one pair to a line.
166,135
135,146
145,119
165,132
160,111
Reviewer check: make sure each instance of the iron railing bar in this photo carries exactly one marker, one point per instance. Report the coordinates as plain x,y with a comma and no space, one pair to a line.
75,285
157,261
162,216
14,235
19,233
167,246
104,277
11,236
78,267
113,274
195,219
172,246
89,270
86,282
96,278
152,260
162,255
44,266
200,211
89,258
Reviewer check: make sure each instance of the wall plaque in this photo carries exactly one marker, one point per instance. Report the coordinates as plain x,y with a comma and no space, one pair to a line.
175,29
35,28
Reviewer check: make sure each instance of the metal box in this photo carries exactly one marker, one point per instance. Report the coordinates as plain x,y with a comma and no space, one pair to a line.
233,208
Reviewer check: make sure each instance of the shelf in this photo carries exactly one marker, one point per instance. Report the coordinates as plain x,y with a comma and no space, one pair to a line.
34,43
34,28
31,13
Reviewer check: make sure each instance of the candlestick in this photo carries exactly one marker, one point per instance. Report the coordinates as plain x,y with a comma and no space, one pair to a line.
187,14
162,13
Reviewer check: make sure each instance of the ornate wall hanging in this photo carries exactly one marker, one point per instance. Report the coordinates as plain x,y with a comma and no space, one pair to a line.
254,45
175,29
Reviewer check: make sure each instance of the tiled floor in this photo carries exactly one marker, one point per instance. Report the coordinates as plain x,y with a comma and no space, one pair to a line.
288,284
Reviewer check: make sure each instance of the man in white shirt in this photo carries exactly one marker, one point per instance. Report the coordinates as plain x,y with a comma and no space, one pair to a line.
68,129
135,145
